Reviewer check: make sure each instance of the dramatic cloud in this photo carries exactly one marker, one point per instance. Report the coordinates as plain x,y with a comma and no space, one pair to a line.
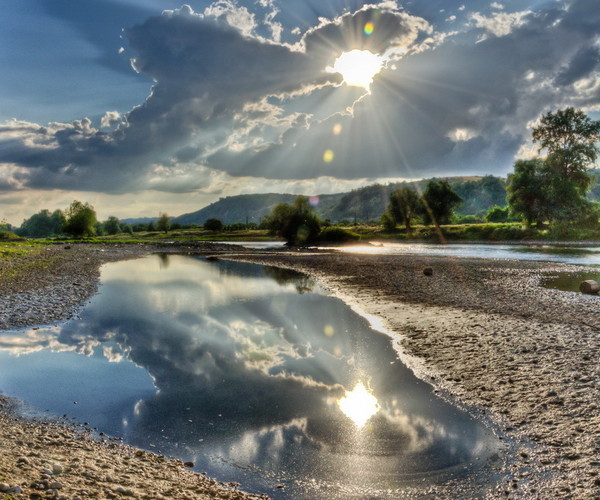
239,91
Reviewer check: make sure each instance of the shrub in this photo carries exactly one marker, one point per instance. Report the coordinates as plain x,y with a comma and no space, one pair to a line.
334,234
8,235
213,225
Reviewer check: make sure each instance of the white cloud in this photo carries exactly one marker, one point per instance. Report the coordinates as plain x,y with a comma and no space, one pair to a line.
234,15
500,23
110,119
462,134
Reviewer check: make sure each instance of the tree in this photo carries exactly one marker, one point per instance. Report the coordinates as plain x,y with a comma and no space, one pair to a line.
213,225
498,214
405,203
570,139
439,202
80,220
527,196
42,224
112,225
163,223
296,223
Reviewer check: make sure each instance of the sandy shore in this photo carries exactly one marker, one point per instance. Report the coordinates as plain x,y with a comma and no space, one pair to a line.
483,331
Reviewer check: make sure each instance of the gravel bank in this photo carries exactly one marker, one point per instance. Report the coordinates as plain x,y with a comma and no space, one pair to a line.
482,330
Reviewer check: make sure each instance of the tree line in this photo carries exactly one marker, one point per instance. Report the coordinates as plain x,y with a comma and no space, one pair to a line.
79,220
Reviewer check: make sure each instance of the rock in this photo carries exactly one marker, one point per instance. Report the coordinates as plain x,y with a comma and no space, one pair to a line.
188,464
57,469
589,286
428,271
56,485
4,487
124,491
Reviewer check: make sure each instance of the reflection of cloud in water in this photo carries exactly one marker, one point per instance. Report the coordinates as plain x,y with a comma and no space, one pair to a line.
249,368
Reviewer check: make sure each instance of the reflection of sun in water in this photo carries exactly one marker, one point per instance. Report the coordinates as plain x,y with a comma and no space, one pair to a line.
359,405
358,67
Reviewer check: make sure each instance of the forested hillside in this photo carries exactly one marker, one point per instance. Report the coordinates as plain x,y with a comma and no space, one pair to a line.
365,204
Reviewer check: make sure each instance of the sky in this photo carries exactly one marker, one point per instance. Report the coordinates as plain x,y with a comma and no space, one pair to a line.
147,106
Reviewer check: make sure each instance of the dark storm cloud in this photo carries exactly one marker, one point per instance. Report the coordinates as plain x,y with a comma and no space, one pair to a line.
204,69
460,108
229,99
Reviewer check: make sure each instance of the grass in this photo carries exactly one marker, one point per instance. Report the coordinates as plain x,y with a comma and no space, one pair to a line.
22,257
453,232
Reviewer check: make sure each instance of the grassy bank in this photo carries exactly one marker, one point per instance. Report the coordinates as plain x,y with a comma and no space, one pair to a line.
488,232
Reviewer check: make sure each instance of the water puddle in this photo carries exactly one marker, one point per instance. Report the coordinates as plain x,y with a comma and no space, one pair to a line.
568,282
252,373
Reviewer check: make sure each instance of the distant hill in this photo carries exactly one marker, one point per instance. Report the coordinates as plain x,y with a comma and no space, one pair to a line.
139,220
241,208
479,194
364,204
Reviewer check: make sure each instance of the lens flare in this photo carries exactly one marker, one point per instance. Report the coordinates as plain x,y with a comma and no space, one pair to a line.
337,129
328,156
369,28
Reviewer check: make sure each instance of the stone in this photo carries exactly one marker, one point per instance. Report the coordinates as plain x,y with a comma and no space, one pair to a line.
124,491
428,271
589,286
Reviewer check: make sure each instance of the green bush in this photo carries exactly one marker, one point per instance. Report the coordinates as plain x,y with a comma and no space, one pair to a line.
8,235
213,225
335,234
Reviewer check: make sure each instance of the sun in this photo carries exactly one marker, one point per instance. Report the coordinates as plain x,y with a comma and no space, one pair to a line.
359,405
358,67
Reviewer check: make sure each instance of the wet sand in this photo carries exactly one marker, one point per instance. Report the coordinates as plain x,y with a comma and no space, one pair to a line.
482,331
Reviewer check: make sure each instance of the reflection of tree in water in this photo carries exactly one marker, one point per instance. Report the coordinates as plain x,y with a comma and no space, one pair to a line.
301,281
163,260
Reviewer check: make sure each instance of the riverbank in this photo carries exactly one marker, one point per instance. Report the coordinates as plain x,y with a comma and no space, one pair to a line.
481,330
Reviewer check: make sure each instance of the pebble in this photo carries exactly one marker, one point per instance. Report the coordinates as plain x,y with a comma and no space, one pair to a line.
124,491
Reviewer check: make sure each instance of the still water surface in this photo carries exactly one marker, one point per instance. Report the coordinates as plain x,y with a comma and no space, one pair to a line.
584,255
254,374
568,254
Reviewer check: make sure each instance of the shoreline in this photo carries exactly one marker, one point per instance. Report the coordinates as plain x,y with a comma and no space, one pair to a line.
481,330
